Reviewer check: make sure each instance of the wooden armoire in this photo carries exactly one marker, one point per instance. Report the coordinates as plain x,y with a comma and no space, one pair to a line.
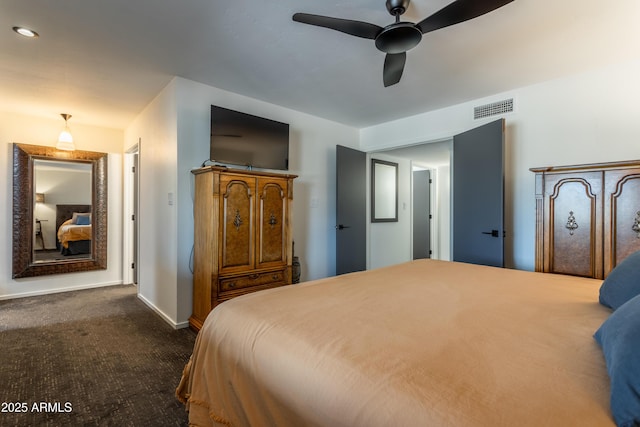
587,217
242,240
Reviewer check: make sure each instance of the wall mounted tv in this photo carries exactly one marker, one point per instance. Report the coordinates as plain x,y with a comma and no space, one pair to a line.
242,139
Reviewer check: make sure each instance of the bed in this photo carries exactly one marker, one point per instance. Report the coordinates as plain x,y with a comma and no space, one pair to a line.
74,230
425,343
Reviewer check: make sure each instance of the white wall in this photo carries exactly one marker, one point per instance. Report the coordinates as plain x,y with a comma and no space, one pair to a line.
390,242
174,131
587,118
156,130
442,238
44,131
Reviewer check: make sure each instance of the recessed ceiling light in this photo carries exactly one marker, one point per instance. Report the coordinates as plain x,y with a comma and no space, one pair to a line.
26,32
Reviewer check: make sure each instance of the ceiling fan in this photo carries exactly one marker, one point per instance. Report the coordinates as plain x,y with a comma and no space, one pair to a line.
397,38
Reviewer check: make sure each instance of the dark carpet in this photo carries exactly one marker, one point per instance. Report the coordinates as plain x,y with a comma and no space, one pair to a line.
97,357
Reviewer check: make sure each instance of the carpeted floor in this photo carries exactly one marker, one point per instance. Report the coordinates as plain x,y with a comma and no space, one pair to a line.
96,357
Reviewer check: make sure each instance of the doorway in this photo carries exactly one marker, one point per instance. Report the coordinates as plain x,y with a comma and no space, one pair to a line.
421,212
392,242
131,208
425,237
469,220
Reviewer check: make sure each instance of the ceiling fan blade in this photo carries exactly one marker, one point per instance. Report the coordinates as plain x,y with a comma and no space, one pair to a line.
459,11
355,28
393,68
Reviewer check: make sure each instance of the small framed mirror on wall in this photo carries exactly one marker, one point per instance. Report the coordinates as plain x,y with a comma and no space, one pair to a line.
384,191
59,211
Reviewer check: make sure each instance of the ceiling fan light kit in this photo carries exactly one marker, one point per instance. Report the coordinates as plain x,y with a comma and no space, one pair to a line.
398,38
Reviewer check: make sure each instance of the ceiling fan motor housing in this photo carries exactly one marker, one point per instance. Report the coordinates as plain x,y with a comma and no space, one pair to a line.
399,37
397,7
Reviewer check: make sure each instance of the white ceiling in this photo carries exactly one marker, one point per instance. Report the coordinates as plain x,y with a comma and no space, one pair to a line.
427,155
104,61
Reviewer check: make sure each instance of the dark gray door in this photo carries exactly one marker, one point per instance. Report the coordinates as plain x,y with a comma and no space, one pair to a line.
421,214
351,210
478,195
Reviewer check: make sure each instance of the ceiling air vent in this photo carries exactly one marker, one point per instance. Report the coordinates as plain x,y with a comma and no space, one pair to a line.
493,109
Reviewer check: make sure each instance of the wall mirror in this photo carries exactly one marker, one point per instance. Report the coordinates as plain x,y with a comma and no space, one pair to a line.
59,211
384,191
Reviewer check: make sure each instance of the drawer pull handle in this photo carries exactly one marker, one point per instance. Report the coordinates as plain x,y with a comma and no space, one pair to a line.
276,277
232,284
254,276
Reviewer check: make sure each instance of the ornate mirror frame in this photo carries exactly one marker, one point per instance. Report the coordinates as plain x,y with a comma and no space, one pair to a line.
24,264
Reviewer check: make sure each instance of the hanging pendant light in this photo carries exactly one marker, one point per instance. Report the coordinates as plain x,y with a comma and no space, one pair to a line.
65,140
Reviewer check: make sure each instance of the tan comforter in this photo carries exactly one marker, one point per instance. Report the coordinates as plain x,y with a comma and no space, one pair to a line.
426,343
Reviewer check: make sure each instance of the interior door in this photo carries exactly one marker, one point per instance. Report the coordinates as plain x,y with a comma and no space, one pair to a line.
351,210
478,195
421,214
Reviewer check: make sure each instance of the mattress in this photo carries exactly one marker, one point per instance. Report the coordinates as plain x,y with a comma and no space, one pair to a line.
424,343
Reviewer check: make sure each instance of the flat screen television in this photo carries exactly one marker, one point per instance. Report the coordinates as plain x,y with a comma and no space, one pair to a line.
243,139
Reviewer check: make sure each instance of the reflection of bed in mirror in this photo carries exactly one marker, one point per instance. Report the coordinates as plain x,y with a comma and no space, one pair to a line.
74,231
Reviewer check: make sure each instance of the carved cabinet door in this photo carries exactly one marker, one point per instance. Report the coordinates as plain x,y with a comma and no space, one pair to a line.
622,215
574,217
237,231
272,205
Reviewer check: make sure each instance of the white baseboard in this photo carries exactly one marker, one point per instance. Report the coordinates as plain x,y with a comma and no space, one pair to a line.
162,314
182,325
59,290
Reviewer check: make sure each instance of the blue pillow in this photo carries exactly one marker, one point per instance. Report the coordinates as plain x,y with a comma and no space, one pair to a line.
83,220
619,337
622,283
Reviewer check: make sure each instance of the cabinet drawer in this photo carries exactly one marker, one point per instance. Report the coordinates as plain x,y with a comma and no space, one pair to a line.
255,279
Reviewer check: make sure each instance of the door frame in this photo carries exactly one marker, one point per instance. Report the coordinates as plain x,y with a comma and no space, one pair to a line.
130,209
433,251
